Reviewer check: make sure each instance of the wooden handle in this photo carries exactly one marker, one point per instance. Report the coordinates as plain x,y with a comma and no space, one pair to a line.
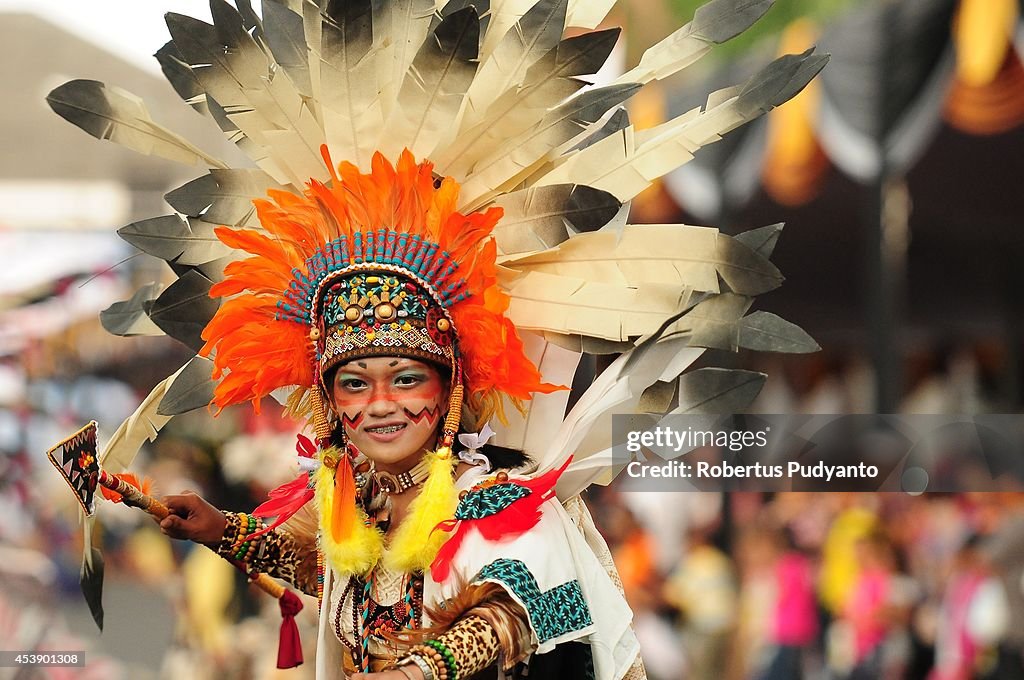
132,496
269,586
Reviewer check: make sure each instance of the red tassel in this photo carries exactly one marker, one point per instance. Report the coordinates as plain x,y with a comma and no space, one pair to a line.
289,647
509,522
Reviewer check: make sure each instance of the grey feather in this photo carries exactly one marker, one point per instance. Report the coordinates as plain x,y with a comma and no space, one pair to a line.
533,35
238,73
286,38
762,240
192,389
252,22
717,390
435,86
779,82
181,78
184,241
91,582
722,20
542,217
743,270
407,23
714,322
121,117
575,115
213,270
561,125
766,332
131,317
619,120
548,82
348,80
223,196
183,310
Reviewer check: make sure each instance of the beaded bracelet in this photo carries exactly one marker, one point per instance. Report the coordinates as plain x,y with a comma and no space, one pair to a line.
242,549
434,659
447,656
245,526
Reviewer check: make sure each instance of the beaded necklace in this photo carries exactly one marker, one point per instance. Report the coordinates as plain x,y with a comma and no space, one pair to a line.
370,619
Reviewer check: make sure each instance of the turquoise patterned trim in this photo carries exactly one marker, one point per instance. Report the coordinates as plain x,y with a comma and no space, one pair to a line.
489,500
553,613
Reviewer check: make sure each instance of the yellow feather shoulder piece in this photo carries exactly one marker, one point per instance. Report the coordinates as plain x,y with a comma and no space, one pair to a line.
361,548
415,544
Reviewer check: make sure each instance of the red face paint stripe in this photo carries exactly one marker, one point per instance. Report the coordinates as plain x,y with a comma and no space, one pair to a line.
430,414
353,422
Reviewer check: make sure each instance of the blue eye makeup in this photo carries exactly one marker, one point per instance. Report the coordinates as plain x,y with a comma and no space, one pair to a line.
348,380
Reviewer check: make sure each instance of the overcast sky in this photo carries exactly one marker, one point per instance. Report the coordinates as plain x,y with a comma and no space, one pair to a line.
133,29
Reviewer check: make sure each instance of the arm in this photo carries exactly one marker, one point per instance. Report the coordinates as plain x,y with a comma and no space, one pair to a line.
277,553
479,627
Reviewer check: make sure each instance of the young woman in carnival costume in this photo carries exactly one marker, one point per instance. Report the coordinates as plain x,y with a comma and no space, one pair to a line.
438,239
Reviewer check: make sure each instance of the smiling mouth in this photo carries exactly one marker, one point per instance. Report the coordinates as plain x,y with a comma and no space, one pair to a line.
385,429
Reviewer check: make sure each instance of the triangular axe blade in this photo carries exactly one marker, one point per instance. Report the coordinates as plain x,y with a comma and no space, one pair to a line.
77,462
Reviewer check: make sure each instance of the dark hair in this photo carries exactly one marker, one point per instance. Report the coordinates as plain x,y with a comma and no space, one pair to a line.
501,457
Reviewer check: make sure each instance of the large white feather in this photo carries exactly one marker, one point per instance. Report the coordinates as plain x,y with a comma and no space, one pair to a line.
139,428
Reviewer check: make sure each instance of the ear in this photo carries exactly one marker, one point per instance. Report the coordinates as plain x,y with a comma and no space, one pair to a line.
329,401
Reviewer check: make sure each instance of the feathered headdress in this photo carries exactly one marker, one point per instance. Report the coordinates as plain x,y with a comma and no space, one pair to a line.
482,186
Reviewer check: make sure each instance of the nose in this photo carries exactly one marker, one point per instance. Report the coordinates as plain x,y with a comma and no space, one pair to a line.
382,403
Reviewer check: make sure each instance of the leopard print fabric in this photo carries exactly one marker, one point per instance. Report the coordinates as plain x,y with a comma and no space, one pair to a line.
278,555
473,643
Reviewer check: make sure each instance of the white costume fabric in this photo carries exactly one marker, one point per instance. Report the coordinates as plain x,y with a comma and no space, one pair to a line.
551,571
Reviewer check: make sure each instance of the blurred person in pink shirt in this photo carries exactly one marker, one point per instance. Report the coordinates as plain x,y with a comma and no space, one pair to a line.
878,610
794,625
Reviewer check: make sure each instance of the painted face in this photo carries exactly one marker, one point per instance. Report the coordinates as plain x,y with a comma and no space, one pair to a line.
391,407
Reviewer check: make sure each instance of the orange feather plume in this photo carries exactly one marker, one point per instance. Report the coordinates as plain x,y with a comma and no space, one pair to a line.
255,351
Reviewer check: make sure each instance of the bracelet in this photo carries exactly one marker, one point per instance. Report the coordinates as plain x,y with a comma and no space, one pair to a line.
405,671
433,658
236,544
446,656
247,525
421,663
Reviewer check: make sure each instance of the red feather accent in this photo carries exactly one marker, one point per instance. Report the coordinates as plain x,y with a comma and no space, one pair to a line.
284,502
509,522
287,499
305,446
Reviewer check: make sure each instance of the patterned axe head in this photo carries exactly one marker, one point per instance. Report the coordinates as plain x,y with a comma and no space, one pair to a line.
76,460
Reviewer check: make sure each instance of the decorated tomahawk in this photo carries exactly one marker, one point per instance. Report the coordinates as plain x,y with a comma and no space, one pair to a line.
77,461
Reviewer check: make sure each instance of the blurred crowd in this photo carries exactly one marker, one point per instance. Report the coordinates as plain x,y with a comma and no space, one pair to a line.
825,585
739,586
